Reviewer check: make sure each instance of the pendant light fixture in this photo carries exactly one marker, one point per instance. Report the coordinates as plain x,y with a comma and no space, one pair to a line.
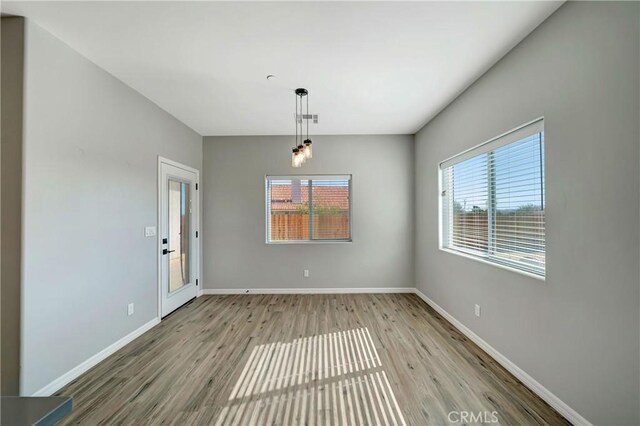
302,150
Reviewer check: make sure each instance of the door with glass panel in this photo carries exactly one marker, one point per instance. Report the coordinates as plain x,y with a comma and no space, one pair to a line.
178,235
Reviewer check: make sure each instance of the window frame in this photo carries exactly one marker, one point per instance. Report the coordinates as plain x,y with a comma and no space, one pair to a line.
267,220
482,148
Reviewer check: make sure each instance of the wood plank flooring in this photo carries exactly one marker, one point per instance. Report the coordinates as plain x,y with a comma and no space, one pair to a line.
303,359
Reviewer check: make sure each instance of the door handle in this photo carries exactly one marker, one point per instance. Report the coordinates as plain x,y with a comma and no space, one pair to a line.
165,251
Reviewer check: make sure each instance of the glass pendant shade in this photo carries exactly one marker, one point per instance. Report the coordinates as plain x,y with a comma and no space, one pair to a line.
295,158
308,150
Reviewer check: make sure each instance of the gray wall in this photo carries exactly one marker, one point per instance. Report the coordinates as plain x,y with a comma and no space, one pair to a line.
12,62
578,332
381,254
91,147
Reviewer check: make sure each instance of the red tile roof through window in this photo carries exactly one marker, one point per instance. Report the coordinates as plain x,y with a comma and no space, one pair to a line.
323,196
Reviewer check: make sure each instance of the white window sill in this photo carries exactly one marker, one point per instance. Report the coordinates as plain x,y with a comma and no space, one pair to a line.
498,265
309,242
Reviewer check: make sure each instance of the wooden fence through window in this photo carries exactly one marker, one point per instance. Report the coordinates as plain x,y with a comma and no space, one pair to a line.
295,226
520,232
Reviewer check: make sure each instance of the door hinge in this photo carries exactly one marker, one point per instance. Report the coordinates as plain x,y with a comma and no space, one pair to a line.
196,281
196,234
196,186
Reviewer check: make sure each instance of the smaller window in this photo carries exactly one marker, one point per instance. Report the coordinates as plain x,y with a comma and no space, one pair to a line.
312,208
493,201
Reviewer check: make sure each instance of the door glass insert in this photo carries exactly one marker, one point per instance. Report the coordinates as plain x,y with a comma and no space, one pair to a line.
179,235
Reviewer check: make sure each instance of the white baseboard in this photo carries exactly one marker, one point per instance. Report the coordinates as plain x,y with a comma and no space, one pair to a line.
544,393
75,372
308,290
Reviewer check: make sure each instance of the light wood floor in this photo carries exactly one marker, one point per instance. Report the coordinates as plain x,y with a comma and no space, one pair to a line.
303,359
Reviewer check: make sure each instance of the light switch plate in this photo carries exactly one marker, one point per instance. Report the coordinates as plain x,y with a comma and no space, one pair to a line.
149,231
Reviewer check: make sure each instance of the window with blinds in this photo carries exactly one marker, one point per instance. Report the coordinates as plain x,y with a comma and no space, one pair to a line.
492,205
315,208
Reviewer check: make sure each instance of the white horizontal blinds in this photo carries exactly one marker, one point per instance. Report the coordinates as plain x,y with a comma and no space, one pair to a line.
519,228
289,213
331,209
493,201
536,126
288,209
468,211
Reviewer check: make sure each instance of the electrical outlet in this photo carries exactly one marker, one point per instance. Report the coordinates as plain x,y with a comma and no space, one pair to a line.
477,311
306,273
130,309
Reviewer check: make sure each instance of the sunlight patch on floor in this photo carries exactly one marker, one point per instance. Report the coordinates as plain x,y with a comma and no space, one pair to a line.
328,379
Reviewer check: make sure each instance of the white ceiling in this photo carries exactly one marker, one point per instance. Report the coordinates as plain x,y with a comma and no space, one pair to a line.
370,67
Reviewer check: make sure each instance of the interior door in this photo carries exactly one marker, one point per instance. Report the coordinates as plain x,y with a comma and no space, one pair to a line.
178,236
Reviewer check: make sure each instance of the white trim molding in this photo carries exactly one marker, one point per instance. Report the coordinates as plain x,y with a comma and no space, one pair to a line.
560,406
355,290
75,372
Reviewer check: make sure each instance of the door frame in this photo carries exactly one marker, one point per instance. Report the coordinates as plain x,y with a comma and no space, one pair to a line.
196,220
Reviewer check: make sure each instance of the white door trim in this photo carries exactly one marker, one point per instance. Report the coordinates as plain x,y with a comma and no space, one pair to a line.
161,161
